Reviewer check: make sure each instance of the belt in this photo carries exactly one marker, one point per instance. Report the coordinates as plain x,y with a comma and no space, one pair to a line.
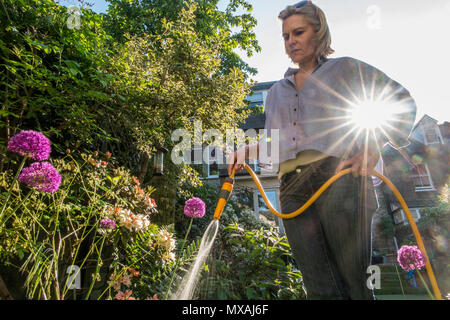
300,168
286,176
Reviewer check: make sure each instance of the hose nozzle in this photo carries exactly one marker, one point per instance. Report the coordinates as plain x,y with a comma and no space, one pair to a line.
224,195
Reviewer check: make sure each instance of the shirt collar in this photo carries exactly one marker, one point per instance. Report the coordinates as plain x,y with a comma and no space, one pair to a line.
290,73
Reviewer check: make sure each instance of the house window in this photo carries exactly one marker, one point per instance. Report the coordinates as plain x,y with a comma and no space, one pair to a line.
205,162
400,216
431,134
253,164
197,160
421,177
212,163
255,99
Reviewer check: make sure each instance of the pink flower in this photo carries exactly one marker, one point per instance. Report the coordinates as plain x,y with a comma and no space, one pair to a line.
410,258
126,280
42,176
124,295
194,208
107,224
30,143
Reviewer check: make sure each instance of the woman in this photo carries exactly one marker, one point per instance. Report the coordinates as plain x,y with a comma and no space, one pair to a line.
312,107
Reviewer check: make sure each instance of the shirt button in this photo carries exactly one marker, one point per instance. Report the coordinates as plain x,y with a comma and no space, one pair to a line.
293,138
295,123
295,109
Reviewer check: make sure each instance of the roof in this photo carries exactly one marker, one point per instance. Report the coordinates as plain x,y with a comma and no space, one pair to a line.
263,85
422,119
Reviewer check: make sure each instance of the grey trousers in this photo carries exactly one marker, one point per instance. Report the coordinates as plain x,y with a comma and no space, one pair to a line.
331,240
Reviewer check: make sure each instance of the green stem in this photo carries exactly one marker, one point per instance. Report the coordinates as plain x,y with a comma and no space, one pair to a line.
6,11
400,281
425,284
96,269
19,205
176,266
12,185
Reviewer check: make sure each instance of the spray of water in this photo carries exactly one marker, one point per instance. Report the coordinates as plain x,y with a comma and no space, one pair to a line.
188,283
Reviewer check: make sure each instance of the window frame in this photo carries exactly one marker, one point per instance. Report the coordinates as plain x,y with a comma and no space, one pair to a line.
428,175
415,212
208,165
437,133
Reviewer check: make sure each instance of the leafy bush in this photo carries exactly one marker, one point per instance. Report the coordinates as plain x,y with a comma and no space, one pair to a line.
250,261
87,90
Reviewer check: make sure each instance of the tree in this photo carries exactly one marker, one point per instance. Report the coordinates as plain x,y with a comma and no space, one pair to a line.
170,79
147,16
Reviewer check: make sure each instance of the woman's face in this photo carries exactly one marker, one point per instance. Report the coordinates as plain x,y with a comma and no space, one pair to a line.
298,37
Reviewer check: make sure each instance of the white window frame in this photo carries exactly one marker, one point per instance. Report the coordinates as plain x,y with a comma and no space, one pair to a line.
425,188
415,212
193,150
208,175
436,131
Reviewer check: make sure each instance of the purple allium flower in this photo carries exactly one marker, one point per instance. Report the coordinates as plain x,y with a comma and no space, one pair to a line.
194,208
42,176
410,258
30,143
107,224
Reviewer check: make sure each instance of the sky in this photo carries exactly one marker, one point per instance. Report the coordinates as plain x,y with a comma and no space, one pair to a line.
406,39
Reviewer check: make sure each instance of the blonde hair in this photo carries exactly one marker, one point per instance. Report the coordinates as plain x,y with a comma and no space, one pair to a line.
316,18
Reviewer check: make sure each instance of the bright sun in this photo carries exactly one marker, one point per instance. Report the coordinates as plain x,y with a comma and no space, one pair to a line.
371,114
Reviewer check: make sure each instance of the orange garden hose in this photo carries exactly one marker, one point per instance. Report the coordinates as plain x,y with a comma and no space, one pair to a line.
227,189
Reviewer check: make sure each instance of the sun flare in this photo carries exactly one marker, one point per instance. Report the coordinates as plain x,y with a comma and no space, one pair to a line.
371,114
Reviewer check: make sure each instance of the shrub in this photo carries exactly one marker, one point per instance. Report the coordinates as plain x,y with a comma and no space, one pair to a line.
250,261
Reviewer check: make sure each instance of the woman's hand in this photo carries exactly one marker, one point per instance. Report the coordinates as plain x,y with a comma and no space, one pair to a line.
237,159
360,164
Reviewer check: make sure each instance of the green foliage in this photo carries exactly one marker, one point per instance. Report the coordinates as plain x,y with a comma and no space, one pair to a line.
87,90
50,76
250,263
172,78
245,246
235,24
388,226
42,234
440,213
